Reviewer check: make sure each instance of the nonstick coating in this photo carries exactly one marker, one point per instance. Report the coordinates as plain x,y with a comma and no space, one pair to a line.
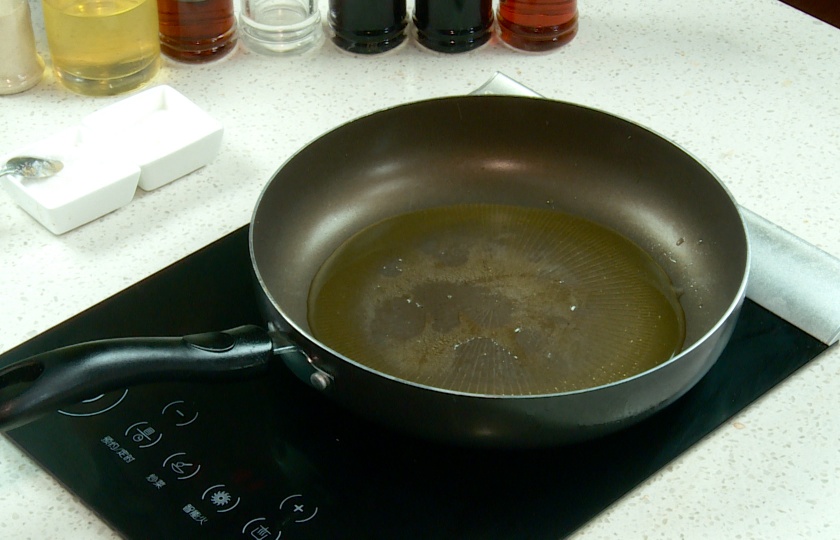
513,151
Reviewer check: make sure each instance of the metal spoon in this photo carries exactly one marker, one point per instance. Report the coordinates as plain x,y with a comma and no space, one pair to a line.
31,167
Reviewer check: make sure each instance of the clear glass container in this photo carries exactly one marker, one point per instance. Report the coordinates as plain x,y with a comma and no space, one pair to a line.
280,26
103,47
21,67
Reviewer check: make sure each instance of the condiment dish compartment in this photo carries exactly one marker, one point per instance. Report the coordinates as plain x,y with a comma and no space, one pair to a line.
90,185
146,140
160,130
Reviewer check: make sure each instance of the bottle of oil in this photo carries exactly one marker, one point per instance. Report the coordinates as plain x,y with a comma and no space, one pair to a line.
196,31
453,26
368,26
537,25
102,47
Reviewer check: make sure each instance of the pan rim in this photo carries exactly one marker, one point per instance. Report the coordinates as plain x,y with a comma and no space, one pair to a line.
731,310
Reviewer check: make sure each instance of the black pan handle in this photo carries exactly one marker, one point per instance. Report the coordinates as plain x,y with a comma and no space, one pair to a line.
45,382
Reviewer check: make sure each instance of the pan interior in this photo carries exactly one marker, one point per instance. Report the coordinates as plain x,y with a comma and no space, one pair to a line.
496,300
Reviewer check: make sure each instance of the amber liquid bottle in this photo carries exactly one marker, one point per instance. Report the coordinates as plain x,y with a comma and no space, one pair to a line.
368,26
196,30
537,25
453,25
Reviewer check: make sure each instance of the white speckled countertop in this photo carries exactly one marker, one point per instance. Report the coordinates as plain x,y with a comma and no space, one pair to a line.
750,87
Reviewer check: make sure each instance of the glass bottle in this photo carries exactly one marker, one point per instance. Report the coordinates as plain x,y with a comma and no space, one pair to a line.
537,25
102,47
368,26
20,65
280,26
453,26
196,31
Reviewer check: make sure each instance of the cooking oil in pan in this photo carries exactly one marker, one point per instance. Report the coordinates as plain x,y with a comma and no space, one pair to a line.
496,300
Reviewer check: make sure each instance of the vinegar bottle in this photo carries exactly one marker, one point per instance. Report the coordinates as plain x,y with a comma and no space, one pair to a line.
453,25
537,25
368,26
196,30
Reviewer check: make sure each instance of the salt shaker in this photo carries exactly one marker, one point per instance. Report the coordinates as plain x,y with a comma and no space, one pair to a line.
21,67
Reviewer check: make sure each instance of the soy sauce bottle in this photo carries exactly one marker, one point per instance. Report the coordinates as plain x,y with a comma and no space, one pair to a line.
368,26
453,26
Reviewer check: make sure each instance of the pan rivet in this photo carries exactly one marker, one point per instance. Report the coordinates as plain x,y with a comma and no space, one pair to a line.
319,381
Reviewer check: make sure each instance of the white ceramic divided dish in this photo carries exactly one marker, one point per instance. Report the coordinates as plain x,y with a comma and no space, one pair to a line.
160,130
90,185
149,139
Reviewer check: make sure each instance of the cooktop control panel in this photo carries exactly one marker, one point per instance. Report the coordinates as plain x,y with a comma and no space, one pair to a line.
183,461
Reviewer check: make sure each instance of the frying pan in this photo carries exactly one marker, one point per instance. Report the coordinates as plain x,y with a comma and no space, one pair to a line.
498,150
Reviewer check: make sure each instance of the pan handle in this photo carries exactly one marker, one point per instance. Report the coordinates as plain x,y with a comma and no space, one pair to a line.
45,382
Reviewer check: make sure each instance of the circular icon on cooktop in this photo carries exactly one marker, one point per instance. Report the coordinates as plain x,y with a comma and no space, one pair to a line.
298,508
180,413
95,405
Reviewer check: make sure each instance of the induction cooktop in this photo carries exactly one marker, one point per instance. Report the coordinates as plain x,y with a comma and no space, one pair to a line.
271,458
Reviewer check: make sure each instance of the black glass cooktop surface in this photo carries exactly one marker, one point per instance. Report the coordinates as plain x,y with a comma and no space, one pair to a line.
271,458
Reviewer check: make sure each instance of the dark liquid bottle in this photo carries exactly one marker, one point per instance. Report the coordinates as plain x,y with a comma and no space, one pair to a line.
368,26
537,25
453,25
196,30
